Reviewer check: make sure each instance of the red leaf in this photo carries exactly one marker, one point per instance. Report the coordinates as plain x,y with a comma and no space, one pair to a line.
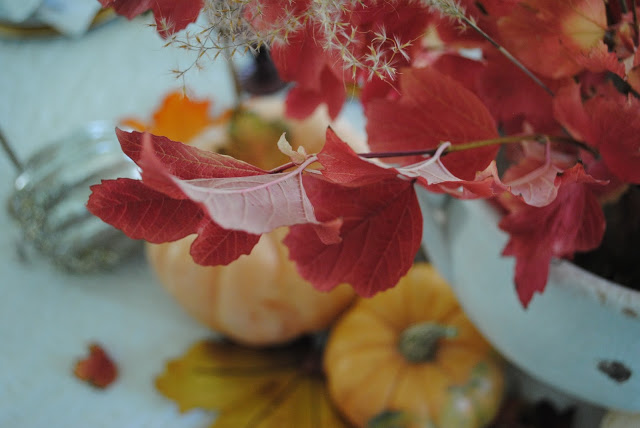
171,16
611,124
302,102
217,246
568,110
157,210
143,213
599,59
572,222
97,368
512,96
381,233
322,62
434,108
254,202
184,161
343,166
564,31
464,70
435,177
304,61
616,131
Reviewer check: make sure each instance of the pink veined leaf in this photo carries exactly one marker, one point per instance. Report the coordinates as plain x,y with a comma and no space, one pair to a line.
431,170
254,204
432,174
342,165
157,211
534,181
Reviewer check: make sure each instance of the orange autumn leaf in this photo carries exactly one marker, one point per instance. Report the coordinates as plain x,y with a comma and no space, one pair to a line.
97,369
251,388
565,32
179,118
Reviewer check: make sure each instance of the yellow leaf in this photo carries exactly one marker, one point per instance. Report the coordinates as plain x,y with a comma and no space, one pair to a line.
252,388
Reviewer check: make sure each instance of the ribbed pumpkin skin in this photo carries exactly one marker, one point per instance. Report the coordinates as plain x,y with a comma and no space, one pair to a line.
461,387
258,299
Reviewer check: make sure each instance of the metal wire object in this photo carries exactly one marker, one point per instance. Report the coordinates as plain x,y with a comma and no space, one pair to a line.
50,196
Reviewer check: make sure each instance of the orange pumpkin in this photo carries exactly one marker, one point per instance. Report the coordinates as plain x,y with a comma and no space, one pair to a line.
412,351
258,299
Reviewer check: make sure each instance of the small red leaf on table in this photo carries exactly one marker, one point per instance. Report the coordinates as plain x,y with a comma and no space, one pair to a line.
97,369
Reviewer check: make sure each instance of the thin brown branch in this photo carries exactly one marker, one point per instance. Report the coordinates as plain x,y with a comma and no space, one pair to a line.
481,143
508,55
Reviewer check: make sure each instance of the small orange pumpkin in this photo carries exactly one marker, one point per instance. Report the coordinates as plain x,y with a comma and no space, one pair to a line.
412,351
259,299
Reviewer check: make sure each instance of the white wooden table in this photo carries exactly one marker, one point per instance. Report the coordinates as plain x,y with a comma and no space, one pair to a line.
48,89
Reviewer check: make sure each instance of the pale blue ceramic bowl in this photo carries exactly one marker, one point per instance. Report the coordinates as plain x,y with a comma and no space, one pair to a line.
581,336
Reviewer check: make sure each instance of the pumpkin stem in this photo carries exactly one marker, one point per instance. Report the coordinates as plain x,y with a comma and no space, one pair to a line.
418,343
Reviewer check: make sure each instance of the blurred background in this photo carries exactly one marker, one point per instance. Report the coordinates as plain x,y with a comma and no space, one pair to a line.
50,86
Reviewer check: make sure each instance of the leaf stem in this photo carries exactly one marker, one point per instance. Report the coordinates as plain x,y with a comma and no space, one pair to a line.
457,148
397,154
299,169
481,143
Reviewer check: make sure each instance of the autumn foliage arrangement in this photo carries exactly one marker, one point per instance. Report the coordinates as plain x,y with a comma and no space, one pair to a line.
530,103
